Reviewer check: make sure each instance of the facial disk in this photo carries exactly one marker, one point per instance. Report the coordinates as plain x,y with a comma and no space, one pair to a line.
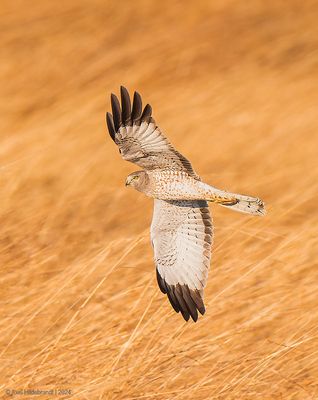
138,180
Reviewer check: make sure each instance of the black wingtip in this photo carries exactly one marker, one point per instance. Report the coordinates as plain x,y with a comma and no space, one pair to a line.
183,299
191,306
146,114
173,300
137,107
128,113
198,301
110,125
116,111
161,283
126,105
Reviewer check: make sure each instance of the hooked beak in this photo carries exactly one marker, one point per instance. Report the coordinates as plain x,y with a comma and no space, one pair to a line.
129,180
127,183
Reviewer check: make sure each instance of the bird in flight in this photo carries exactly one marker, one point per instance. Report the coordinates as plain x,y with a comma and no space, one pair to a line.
181,229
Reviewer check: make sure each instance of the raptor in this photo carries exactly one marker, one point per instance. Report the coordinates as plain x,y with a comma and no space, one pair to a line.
181,228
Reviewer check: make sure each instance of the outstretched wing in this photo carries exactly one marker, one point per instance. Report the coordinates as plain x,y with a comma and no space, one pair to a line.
181,234
139,139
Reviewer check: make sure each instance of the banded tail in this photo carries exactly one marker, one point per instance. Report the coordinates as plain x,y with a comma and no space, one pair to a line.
236,202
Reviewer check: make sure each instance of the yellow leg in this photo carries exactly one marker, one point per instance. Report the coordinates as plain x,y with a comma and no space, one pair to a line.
229,201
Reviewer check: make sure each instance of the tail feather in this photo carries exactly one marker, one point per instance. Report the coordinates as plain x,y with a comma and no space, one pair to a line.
248,205
237,202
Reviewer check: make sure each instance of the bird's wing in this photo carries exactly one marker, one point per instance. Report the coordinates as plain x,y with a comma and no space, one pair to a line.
181,234
139,139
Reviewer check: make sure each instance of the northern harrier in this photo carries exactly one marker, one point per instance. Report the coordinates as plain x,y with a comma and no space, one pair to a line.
181,228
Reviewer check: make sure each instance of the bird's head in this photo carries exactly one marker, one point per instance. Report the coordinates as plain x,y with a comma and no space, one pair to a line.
138,180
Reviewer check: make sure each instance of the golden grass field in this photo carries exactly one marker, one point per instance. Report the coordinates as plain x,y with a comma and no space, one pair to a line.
234,85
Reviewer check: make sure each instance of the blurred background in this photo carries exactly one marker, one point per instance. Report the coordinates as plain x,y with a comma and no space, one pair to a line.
234,86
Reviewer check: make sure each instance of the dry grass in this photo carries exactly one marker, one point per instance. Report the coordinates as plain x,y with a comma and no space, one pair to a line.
235,86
